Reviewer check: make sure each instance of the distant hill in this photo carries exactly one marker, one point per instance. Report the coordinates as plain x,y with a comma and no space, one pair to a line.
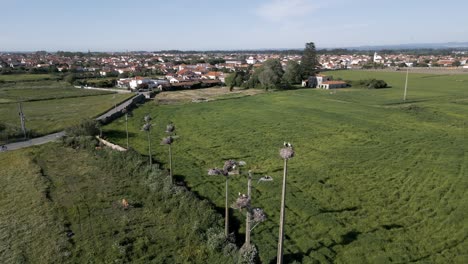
447,45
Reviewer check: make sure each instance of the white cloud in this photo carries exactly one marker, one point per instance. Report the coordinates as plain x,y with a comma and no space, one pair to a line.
277,10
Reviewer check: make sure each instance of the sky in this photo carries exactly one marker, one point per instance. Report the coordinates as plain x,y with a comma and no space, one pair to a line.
120,25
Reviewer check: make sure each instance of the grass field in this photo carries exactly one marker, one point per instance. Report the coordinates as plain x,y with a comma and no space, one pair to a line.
375,180
51,106
26,77
61,205
41,90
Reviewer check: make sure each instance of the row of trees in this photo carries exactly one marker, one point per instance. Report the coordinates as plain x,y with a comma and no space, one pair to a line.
271,74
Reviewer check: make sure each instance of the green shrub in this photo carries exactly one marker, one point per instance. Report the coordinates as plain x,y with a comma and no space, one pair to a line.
87,127
368,83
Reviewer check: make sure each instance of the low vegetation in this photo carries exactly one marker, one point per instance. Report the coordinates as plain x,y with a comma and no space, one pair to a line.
369,84
77,205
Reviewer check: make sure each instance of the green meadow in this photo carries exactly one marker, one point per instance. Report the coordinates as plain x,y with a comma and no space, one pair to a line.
374,180
26,77
42,90
50,106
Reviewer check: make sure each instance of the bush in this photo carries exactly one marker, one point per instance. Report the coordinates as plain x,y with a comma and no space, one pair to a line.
70,78
369,83
377,84
85,142
88,127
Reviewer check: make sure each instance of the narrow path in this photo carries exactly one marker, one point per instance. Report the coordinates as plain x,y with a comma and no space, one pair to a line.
116,109
35,141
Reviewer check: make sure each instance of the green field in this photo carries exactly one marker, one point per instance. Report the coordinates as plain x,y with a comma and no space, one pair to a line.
375,180
26,77
61,205
50,106
42,90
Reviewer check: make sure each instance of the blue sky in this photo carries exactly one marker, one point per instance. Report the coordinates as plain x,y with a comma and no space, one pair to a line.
118,25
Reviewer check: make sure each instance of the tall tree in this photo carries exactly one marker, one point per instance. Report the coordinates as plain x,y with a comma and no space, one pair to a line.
309,61
292,74
270,74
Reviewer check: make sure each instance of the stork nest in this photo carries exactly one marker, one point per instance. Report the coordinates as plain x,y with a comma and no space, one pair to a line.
287,153
146,127
216,171
258,215
147,118
170,128
229,165
243,201
167,141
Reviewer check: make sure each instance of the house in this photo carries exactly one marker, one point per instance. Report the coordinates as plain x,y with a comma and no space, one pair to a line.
316,81
332,85
138,81
445,63
378,58
251,60
123,83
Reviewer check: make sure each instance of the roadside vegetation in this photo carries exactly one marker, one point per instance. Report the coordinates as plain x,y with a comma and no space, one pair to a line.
375,179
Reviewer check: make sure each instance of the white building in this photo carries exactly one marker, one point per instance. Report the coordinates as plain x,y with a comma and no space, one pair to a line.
251,60
137,82
378,58
332,85
316,81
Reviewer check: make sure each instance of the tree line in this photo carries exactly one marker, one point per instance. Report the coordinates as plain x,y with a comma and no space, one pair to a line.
272,75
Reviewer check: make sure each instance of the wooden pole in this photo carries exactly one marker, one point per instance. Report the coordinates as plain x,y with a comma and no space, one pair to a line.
149,148
282,216
170,162
226,213
248,218
406,85
22,119
126,127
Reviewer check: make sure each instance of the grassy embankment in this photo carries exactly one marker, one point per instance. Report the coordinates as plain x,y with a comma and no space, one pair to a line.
64,205
375,180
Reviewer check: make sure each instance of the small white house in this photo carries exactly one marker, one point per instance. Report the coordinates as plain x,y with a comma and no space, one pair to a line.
332,85
137,81
251,60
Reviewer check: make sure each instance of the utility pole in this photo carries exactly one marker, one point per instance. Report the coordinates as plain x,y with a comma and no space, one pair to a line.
249,217
279,259
22,119
126,128
406,84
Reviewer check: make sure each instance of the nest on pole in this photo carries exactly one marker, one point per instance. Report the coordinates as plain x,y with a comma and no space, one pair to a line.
170,128
258,215
167,141
286,153
146,127
147,118
229,165
242,202
216,171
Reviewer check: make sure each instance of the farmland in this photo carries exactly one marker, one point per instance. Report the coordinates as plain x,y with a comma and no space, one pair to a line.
61,205
51,106
26,77
375,180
